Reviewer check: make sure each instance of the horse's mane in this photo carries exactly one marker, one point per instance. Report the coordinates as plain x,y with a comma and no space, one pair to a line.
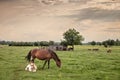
54,54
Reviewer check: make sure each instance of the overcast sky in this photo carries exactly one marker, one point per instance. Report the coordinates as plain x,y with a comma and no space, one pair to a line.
44,20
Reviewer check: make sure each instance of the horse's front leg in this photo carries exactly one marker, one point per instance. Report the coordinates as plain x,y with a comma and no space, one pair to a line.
44,64
32,59
48,64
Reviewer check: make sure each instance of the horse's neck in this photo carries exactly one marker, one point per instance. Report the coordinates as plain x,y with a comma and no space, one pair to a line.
55,57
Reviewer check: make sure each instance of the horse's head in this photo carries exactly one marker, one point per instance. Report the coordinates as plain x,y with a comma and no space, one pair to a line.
58,63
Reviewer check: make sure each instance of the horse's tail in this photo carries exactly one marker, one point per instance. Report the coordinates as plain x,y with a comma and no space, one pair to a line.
28,57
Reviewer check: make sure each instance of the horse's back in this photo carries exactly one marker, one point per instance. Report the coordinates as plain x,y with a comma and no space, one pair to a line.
41,54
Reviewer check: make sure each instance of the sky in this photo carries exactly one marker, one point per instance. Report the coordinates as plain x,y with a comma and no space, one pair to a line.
45,20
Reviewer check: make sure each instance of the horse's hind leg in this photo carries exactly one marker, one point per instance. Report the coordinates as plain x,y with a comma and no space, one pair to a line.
44,64
48,64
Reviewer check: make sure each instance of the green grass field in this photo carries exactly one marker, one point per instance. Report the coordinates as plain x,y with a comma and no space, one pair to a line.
79,64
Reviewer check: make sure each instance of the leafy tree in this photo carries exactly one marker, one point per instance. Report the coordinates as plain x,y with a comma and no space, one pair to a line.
51,42
99,43
117,42
112,42
72,37
64,43
36,44
44,43
3,42
93,43
108,43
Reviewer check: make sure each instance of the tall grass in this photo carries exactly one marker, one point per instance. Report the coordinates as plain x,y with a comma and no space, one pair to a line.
79,64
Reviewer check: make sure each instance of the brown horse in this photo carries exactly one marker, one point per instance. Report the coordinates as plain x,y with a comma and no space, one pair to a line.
43,54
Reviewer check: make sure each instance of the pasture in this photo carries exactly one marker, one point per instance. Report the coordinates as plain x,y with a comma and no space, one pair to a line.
80,64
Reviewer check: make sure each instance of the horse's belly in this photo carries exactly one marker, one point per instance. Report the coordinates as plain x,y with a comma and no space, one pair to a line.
42,57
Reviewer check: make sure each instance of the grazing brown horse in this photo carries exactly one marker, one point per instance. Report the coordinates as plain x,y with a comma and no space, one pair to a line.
43,54
109,51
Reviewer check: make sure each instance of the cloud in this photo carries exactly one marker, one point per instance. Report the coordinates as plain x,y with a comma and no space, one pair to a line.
102,10
112,29
6,0
31,20
78,1
96,14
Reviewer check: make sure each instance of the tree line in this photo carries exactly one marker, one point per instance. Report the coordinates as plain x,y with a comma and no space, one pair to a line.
37,43
70,37
106,43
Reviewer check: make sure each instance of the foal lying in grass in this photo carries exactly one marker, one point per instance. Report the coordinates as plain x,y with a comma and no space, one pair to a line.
31,67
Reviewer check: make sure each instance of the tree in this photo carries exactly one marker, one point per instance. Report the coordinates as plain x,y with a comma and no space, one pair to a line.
93,43
117,42
109,42
99,43
37,43
72,37
112,42
51,42
64,43
44,43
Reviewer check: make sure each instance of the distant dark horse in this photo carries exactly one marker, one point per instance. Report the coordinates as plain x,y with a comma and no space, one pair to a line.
43,54
109,51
